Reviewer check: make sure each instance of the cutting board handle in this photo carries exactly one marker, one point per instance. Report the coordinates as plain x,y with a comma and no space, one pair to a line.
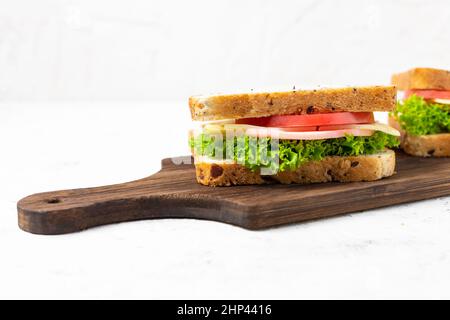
68,211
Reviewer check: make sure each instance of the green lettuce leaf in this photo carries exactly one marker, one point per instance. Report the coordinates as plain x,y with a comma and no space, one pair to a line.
264,153
419,117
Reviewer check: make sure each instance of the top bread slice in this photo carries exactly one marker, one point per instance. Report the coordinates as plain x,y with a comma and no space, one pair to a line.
264,104
422,78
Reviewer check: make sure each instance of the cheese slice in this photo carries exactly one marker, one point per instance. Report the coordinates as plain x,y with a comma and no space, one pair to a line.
377,126
442,101
283,134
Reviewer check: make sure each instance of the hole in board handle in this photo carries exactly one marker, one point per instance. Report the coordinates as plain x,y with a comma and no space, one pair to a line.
53,200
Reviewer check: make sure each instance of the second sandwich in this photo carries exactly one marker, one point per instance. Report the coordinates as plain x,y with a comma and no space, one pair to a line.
423,116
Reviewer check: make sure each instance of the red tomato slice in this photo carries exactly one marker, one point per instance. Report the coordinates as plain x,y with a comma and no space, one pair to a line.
328,128
310,119
429,94
300,128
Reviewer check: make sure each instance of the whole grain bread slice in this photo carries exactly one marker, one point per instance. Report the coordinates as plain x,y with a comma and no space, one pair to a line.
264,104
432,145
342,169
422,78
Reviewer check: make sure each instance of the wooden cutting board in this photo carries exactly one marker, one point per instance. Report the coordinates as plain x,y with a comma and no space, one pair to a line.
174,193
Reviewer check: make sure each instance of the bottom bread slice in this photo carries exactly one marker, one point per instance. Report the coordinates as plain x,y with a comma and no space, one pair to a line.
432,145
342,169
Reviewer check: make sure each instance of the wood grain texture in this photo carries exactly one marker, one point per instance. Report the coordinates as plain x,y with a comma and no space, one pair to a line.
174,193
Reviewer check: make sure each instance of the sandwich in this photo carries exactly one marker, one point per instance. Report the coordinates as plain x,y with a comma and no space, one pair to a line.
423,115
296,136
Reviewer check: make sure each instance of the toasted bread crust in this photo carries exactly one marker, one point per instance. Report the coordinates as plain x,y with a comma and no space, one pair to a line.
432,145
342,169
422,78
246,105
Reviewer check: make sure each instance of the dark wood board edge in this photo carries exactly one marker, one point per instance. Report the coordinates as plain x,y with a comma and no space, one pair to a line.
284,217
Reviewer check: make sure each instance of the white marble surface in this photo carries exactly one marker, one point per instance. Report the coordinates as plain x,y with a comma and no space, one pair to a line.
397,252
